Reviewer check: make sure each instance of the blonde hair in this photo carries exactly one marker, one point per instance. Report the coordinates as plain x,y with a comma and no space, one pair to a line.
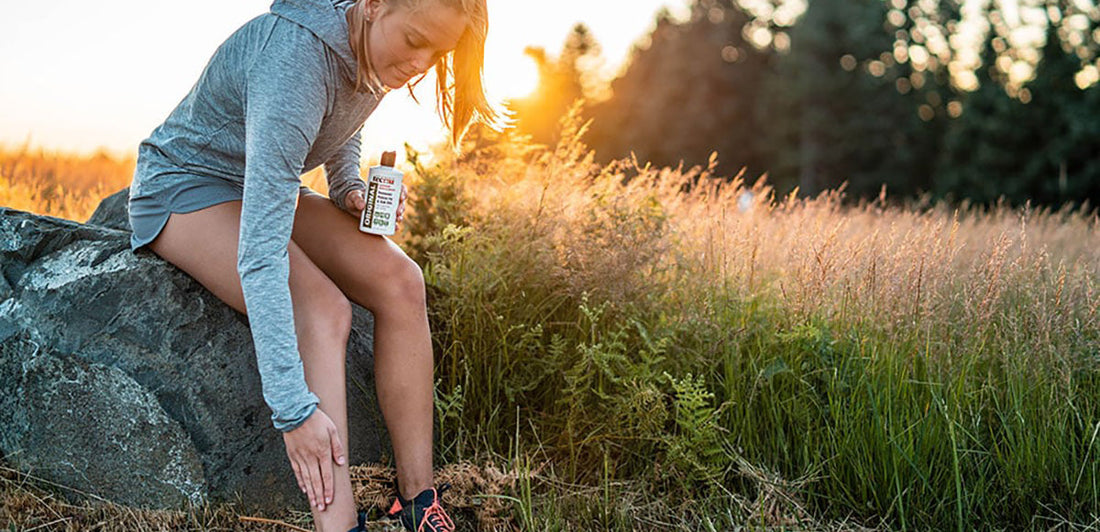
460,90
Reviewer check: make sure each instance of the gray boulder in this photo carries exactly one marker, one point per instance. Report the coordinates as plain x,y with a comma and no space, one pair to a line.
113,212
80,413
122,377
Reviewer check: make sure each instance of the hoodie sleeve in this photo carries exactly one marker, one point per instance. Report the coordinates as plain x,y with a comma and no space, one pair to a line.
285,103
342,171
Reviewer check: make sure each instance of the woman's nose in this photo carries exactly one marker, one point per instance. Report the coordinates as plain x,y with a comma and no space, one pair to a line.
422,61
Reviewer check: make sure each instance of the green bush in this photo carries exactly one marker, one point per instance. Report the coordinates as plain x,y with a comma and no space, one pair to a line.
666,335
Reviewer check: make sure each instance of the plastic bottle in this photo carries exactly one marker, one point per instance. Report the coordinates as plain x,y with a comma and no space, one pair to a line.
383,193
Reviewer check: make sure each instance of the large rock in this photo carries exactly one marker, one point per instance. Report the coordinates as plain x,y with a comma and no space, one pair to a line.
122,377
113,212
68,414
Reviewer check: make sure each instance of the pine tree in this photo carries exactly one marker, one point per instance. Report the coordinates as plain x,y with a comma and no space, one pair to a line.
562,81
984,146
1041,147
691,92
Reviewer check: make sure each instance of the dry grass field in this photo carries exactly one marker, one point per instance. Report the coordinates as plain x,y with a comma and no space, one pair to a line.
669,349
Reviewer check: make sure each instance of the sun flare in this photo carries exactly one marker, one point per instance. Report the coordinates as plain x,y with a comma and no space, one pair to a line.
119,104
512,76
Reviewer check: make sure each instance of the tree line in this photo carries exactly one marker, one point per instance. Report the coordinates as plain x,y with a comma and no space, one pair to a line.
922,97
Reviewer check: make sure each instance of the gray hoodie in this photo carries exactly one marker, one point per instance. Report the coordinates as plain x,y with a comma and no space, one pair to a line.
276,100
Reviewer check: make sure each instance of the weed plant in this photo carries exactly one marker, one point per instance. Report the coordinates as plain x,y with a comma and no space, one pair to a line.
669,349
61,185
71,186
704,354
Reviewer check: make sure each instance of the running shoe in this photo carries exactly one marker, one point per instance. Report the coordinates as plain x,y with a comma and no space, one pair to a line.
424,513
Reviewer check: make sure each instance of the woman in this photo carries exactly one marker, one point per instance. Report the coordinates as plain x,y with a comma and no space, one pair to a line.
216,192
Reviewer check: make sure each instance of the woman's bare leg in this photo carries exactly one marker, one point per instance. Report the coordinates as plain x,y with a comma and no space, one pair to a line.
204,244
375,273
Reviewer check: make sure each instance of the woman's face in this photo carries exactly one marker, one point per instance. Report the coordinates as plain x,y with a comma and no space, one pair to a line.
406,42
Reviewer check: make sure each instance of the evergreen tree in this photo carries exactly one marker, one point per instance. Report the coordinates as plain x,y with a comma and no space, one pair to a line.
1064,126
841,100
982,148
562,81
840,84
691,92
1041,147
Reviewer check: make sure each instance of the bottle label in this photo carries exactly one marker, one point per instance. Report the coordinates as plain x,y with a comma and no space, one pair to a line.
382,197
372,197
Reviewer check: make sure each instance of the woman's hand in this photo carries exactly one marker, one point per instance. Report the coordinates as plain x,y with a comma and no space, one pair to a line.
312,448
355,203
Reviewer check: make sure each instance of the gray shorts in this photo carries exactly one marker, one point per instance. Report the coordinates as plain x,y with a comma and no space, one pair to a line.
149,212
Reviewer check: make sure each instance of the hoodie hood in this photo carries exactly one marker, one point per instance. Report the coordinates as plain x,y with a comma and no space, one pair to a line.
327,20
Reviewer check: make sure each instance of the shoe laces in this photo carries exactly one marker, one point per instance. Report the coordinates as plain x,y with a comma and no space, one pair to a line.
433,518
436,519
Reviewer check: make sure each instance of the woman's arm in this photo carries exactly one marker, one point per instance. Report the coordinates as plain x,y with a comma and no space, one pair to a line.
285,103
342,172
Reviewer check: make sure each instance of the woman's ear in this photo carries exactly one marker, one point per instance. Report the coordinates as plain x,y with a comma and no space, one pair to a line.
373,8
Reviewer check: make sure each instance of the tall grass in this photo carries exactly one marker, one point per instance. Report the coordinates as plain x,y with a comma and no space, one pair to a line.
60,184
654,348
71,186
688,337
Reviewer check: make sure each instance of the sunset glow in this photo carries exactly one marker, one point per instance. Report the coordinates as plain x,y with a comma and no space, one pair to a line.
79,76
511,76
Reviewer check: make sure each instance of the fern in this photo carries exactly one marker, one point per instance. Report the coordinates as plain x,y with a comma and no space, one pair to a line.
696,448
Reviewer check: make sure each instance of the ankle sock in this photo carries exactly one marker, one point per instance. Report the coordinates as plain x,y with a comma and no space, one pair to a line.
362,523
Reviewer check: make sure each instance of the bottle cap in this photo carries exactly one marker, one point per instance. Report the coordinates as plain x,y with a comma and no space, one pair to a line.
389,158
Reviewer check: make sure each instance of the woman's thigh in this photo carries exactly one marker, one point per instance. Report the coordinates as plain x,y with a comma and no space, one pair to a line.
361,264
203,243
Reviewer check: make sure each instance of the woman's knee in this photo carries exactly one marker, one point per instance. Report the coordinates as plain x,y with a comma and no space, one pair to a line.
406,282
340,309
326,311
399,282
319,304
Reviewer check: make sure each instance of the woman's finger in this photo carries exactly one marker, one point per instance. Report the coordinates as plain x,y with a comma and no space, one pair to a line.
354,200
401,201
337,447
325,464
317,470
307,476
298,475
401,204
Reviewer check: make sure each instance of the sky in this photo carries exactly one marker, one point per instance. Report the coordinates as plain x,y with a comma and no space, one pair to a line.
78,76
